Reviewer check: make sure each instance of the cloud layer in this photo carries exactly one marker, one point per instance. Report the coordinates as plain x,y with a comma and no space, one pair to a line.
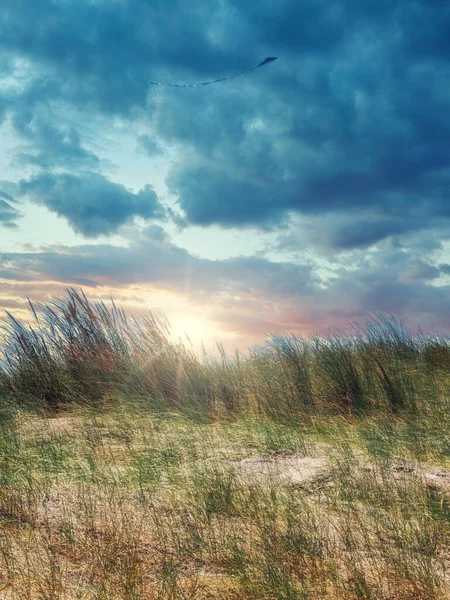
249,297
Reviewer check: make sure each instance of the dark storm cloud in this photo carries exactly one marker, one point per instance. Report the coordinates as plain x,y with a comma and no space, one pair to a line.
105,53
92,204
357,121
229,201
353,117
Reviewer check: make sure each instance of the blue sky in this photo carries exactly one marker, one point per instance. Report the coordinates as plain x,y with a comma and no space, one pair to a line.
304,195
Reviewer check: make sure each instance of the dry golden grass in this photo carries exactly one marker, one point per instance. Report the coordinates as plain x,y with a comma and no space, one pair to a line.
129,505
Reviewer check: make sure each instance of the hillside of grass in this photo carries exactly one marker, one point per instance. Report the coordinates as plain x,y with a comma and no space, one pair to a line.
132,468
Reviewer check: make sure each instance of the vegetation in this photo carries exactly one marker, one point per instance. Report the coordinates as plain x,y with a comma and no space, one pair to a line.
132,469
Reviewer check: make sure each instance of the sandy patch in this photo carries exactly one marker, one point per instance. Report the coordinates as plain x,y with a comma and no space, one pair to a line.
437,477
297,470
289,469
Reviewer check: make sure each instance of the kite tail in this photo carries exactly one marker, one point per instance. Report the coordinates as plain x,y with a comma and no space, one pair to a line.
187,85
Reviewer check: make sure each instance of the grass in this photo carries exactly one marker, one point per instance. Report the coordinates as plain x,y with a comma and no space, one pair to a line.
132,469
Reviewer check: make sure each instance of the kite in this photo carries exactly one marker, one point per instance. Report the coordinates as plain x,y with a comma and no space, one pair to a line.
187,85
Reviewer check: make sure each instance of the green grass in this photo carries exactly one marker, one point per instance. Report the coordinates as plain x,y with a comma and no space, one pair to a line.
132,469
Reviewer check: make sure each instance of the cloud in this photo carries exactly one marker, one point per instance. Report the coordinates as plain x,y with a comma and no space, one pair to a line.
209,196
8,214
51,145
4,195
335,233
92,204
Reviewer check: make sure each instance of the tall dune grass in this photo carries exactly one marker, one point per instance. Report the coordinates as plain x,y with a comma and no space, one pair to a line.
78,351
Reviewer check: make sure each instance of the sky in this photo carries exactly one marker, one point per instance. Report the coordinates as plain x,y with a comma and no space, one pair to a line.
300,197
